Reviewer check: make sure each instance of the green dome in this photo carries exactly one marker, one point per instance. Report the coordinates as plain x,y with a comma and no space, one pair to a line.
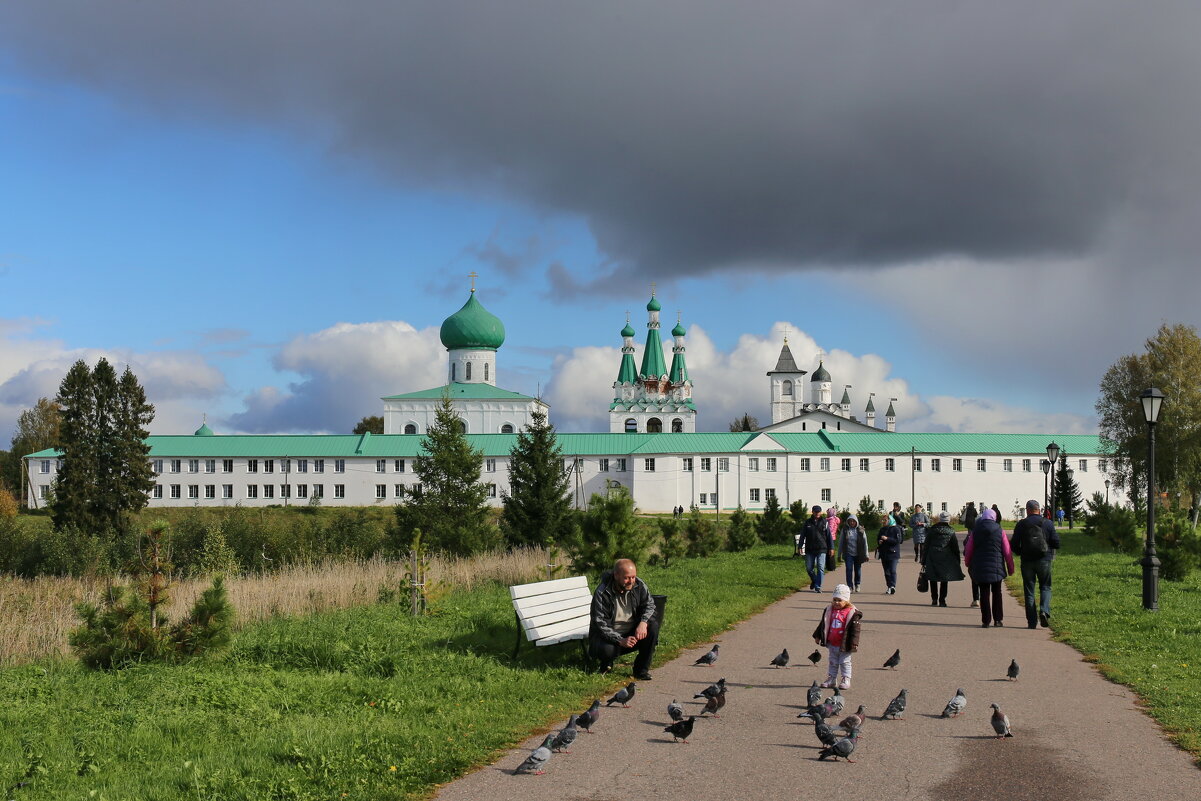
628,331
472,327
653,305
204,431
679,330
821,374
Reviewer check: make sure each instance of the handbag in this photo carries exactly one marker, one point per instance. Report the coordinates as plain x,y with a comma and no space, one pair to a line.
923,584
829,564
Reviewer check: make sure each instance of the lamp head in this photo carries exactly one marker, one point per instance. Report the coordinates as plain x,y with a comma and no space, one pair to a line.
1052,452
1045,464
1152,400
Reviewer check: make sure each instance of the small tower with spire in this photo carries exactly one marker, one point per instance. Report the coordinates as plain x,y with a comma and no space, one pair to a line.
870,411
652,399
846,401
890,417
786,387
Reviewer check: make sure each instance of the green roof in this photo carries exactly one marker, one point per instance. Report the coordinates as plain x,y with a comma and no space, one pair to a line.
400,446
890,412
628,331
466,391
846,398
871,407
679,330
204,431
653,304
679,368
627,374
653,364
472,327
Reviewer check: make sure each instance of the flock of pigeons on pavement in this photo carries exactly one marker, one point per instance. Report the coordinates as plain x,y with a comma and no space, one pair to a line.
837,739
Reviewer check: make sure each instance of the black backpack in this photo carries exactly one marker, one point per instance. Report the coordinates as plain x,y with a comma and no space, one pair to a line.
1034,544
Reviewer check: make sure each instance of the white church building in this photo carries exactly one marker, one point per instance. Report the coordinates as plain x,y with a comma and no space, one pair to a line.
814,450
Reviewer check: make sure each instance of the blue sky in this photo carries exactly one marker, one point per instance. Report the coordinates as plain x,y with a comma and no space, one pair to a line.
236,236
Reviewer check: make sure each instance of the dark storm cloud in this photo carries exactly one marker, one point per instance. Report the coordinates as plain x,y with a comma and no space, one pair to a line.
694,136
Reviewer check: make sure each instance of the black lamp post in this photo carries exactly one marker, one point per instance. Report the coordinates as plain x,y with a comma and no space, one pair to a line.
1152,400
1107,492
1046,466
1052,457
1070,474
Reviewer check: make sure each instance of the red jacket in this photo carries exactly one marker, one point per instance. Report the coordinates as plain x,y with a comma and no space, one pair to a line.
850,638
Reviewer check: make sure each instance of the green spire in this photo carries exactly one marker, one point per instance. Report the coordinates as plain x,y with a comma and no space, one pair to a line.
846,398
890,412
653,363
871,407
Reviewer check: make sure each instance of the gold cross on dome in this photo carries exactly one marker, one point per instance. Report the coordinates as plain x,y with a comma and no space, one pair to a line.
473,275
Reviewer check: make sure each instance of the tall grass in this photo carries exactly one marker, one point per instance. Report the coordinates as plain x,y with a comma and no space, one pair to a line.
39,613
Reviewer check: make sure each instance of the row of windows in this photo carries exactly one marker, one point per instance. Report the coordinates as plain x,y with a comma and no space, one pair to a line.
257,465
466,371
253,491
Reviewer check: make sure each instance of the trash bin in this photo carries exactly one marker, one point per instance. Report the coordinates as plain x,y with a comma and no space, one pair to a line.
660,602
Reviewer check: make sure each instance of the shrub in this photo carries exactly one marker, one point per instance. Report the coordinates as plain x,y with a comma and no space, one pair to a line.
704,538
609,531
774,528
741,535
1114,526
672,546
1180,549
868,514
8,504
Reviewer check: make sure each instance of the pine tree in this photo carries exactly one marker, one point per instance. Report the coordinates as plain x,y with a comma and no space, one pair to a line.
537,510
672,546
609,531
106,473
1067,492
741,535
451,508
774,528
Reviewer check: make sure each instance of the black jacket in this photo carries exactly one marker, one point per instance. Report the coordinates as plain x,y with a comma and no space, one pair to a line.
1049,534
604,608
888,542
816,536
941,557
988,553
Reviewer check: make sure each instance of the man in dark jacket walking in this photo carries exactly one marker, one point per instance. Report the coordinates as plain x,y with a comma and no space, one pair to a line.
818,545
940,559
623,620
1036,555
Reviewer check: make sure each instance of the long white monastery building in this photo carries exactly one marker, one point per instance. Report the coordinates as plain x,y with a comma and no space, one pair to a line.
815,450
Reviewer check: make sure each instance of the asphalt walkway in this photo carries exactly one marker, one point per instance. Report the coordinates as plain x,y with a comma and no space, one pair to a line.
1077,736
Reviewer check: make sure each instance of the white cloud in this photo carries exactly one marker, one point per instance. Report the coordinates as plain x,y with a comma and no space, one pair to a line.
345,369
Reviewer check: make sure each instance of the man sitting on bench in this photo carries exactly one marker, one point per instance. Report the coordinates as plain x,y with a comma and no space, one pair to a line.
623,620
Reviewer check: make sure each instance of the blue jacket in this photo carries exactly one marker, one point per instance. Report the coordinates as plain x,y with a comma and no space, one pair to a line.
888,543
988,552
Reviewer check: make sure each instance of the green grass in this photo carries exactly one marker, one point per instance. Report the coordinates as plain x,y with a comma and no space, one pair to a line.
1097,609
366,703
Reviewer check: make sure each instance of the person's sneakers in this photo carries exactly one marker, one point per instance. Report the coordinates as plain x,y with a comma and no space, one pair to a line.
942,603
845,684
1044,620
643,676
827,684
892,590
998,623
857,588
817,590
975,604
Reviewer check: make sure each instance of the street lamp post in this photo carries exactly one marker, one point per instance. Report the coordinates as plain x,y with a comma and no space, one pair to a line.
1107,492
1070,474
1046,466
1152,400
1052,457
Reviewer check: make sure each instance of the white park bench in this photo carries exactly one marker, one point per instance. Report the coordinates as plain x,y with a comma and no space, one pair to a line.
552,612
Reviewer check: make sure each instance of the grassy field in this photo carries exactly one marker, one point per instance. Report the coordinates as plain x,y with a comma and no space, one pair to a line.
1097,609
363,703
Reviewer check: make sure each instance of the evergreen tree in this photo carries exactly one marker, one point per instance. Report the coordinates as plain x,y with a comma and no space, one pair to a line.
704,538
799,511
672,546
746,422
869,514
741,535
773,526
451,508
609,531
537,510
1067,492
105,473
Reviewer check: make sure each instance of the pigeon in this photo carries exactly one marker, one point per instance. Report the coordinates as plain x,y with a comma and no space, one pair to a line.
781,660
1014,670
894,660
675,711
623,696
813,696
896,707
955,705
681,730
589,716
816,656
836,703
712,689
825,733
1000,722
565,738
709,658
715,703
819,712
841,748
854,721
536,761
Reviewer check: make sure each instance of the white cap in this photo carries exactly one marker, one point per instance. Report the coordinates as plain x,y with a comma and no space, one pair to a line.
842,592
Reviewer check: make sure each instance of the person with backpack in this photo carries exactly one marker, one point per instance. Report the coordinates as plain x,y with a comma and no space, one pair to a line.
1035,542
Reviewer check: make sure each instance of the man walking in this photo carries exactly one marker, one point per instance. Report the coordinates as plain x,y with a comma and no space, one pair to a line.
1035,541
623,620
918,522
818,545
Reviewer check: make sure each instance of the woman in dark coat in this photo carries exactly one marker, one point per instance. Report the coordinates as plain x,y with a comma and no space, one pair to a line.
888,549
940,559
852,550
969,522
989,561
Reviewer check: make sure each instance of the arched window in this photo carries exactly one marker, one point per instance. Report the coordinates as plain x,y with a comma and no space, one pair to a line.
486,375
410,428
507,428
461,425
787,388
654,426
677,426
631,426
467,372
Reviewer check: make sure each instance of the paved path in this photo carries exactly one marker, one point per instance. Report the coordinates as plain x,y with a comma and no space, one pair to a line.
1077,736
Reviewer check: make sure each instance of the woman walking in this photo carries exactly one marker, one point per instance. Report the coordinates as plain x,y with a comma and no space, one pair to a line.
969,522
888,548
940,559
989,561
852,550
